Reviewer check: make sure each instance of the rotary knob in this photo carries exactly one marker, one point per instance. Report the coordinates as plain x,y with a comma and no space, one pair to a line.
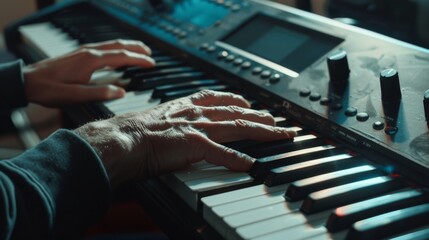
426,104
390,87
338,67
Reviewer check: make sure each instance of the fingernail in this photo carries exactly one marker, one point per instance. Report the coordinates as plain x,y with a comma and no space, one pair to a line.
291,133
115,92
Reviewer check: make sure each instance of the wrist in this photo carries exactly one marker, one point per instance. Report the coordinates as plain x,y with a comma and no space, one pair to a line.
111,145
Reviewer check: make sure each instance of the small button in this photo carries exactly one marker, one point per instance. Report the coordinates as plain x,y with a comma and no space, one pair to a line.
257,70
304,92
211,49
336,106
184,34
230,58
177,31
246,65
351,111
235,7
315,96
223,54
275,78
204,46
238,61
378,125
391,130
325,101
265,74
362,116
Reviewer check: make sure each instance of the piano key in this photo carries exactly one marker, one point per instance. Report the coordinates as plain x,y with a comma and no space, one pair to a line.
192,191
161,72
262,166
390,224
310,168
343,217
160,91
131,71
303,140
257,194
150,83
349,193
298,190
419,234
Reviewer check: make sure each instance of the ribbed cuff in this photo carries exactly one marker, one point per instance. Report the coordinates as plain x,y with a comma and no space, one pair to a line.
12,90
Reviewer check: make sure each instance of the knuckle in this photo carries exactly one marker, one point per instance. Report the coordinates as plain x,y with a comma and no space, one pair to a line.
242,123
235,109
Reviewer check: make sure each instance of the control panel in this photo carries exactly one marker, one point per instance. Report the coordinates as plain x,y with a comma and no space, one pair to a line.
352,84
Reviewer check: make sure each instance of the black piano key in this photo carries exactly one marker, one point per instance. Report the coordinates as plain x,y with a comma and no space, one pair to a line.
160,91
420,234
298,190
290,173
349,193
150,83
262,166
302,140
390,224
164,58
131,71
168,96
150,73
343,217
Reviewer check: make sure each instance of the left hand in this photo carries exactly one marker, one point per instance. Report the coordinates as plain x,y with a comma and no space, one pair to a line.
65,80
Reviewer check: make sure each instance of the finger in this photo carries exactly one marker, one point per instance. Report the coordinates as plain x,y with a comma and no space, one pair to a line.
119,58
214,98
240,129
230,158
223,113
232,112
83,93
130,45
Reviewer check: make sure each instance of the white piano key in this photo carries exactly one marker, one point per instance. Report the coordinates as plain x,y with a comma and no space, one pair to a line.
191,191
271,225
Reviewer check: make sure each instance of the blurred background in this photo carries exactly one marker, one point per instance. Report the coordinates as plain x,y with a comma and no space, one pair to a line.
407,20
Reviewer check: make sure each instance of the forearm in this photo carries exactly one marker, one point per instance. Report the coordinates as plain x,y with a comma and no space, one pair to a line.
52,191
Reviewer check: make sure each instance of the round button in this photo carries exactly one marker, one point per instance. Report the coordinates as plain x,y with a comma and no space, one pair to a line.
223,54
350,111
378,125
230,58
184,34
325,101
362,116
238,61
246,65
304,92
235,7
211,49
204,46
315,96
275,78
257,70
391,130
265,74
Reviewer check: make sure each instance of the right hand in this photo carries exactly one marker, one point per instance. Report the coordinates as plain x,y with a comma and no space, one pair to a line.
178,133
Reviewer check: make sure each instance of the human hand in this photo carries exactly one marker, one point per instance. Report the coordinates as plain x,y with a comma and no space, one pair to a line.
175,134
65,80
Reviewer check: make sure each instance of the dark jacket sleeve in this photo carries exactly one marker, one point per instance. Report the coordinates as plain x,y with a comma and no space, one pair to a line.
53,191
12,91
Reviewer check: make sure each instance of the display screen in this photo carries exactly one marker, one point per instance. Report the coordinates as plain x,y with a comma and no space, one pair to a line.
281,42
